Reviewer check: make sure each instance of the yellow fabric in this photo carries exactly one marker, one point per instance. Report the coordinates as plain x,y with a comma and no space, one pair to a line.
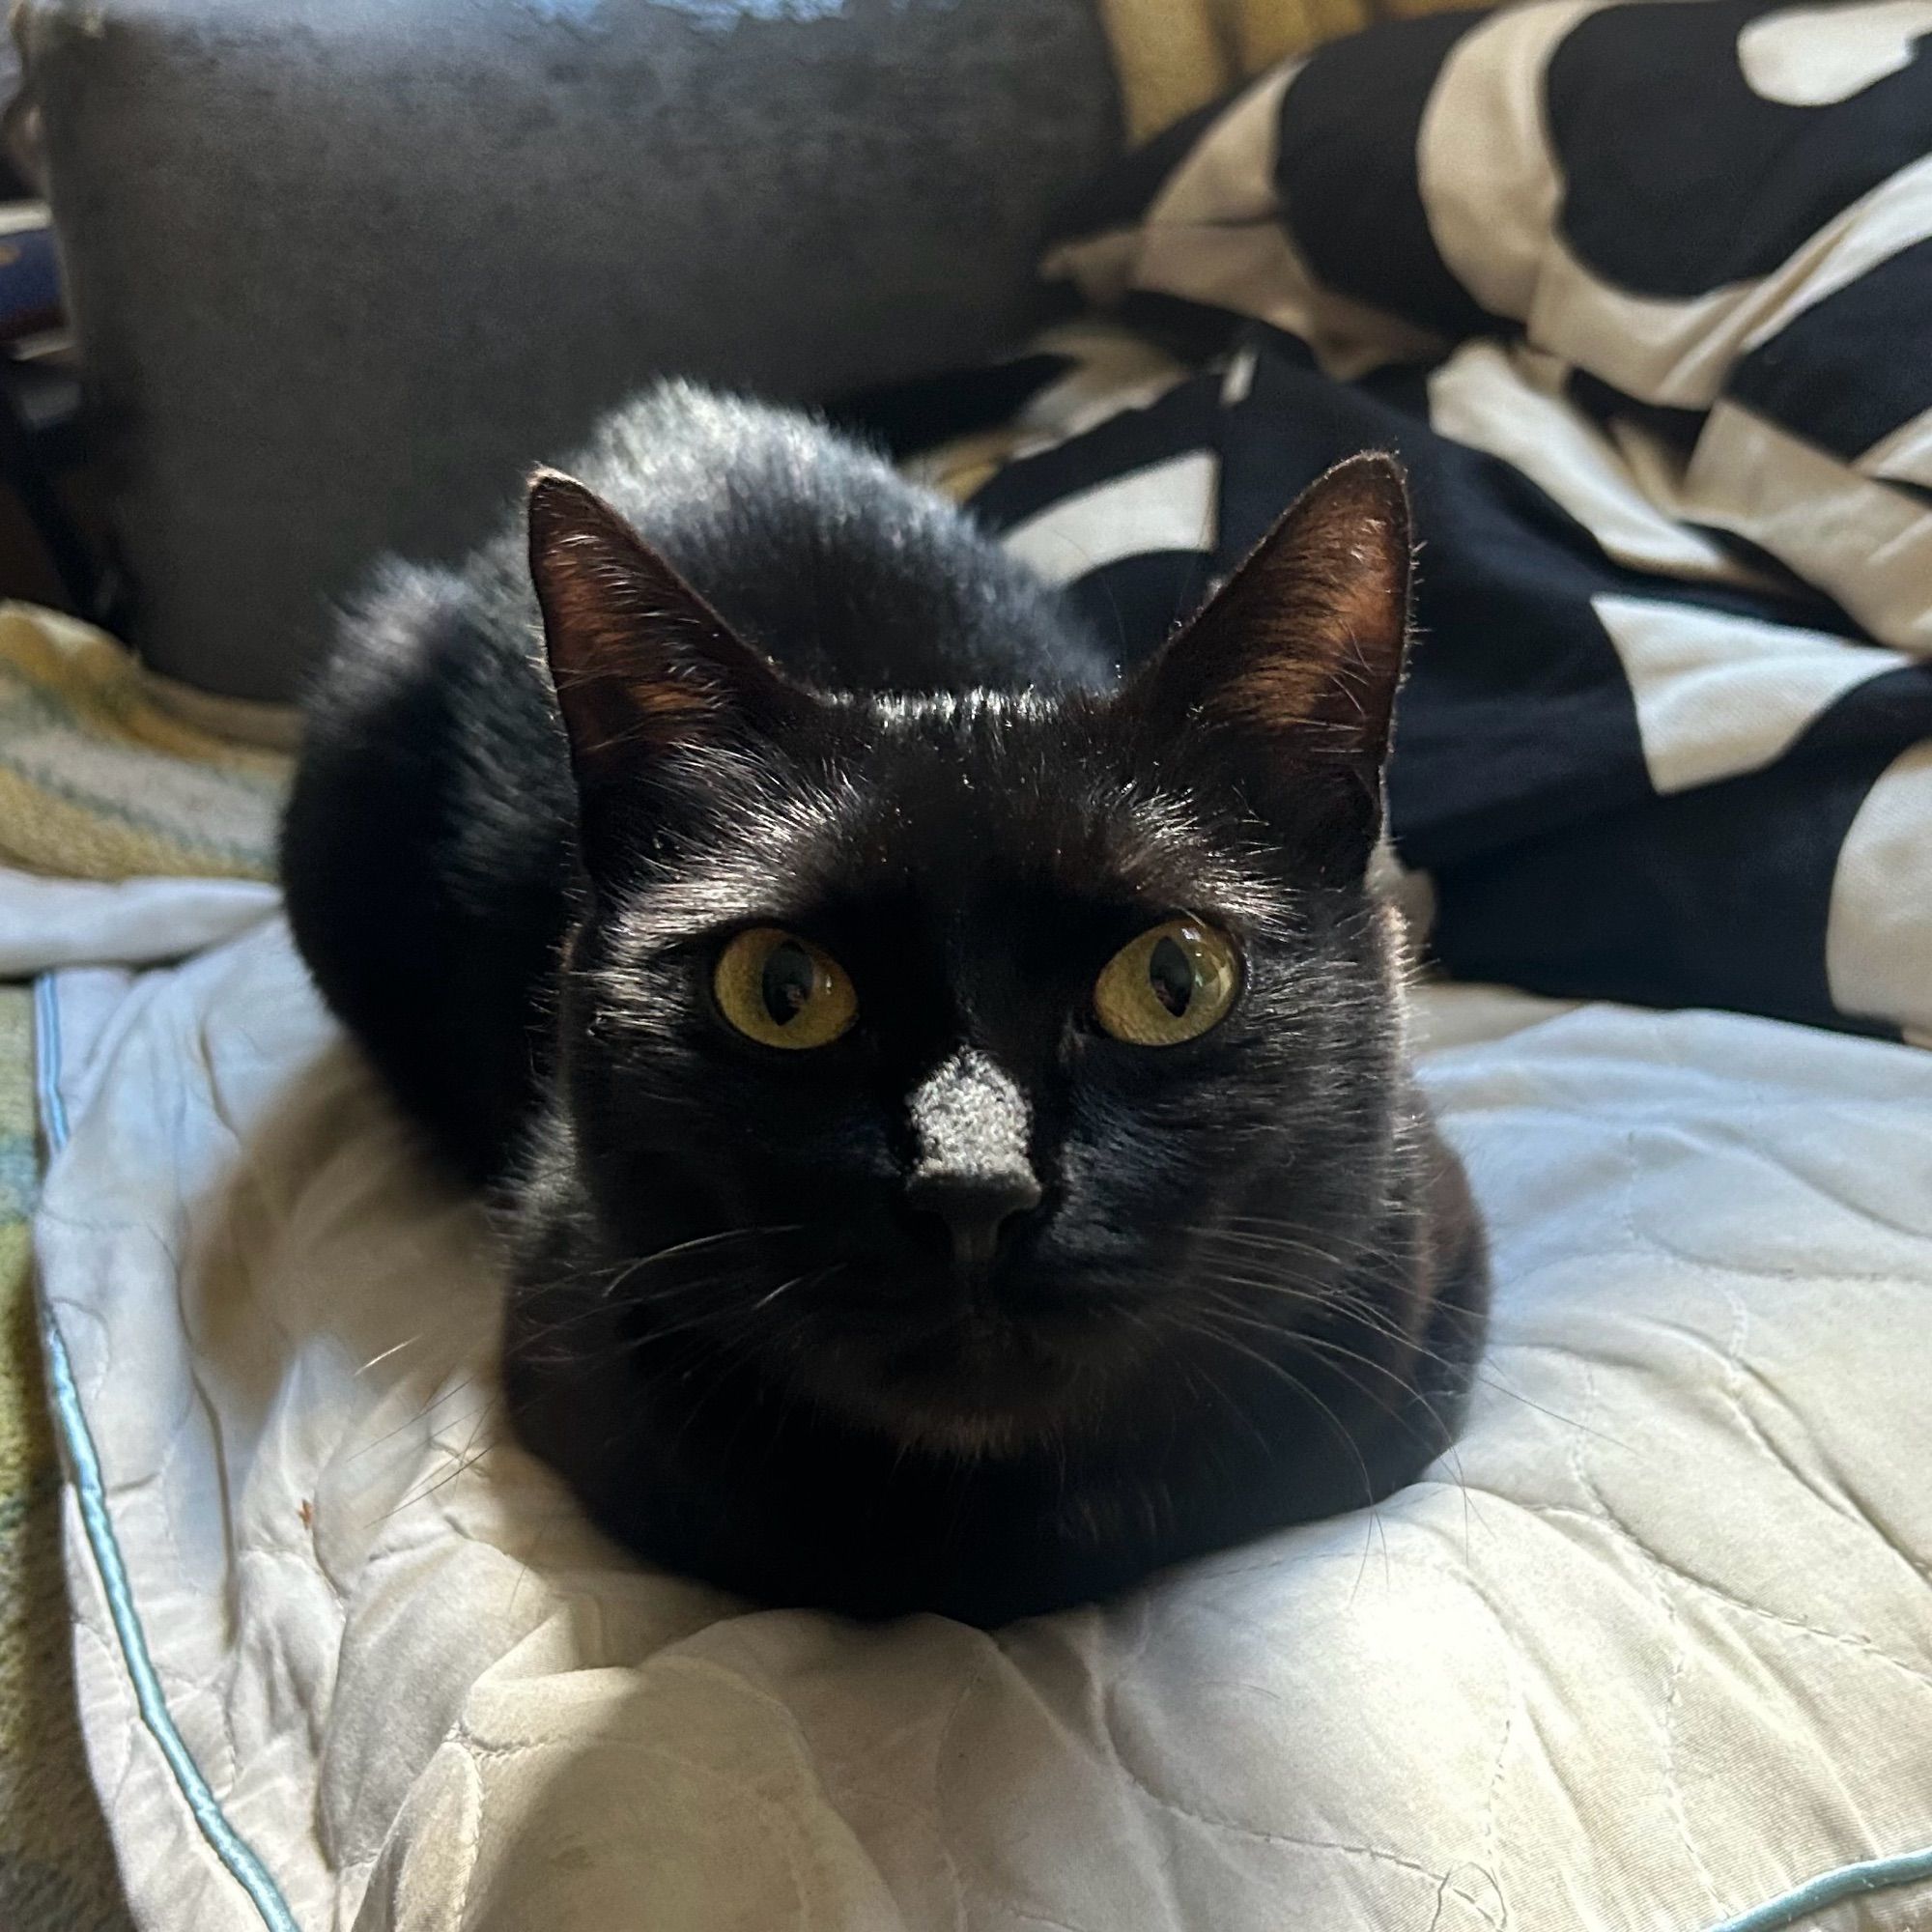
99,779
1265,31
1173,56
1169,57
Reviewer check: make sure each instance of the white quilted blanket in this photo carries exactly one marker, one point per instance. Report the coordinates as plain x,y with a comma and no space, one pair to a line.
1650,1649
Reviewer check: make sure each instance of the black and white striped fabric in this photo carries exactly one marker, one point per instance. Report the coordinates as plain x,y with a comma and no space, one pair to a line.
1642,296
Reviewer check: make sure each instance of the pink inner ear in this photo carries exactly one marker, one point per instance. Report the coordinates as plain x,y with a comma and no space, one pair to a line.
606,647
1334,642
639,660
1307,636
1277,695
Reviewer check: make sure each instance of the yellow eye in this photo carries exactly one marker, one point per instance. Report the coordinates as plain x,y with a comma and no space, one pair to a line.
1170,984
781,991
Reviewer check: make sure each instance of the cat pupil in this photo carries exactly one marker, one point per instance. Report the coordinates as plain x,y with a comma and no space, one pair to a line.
787,982
1170,975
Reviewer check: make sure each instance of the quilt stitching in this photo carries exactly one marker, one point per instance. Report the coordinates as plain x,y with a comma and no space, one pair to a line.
1375,1854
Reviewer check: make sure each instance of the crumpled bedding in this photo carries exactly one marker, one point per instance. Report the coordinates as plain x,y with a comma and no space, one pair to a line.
1637,292
1648,1648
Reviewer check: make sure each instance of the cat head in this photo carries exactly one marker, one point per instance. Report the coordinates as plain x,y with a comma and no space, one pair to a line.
959,1061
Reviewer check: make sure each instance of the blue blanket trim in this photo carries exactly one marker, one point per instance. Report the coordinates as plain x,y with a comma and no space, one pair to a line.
1833,1888
247,1869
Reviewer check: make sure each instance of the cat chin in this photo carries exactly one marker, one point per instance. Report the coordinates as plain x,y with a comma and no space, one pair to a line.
974,1417
966,1436
959,1432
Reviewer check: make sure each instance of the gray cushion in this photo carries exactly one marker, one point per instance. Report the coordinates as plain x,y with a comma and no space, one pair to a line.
343,272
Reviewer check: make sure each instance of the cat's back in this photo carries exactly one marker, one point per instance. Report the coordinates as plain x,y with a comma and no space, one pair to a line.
817,550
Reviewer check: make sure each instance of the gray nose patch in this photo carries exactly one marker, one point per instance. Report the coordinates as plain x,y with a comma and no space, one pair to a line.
970,1121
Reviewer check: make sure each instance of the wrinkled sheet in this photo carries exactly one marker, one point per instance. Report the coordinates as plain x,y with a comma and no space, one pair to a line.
1651,1645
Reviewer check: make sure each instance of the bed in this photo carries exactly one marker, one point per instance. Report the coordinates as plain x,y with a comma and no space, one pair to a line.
1649,1648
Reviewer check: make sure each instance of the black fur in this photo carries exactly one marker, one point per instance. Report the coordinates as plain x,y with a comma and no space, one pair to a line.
1243,1284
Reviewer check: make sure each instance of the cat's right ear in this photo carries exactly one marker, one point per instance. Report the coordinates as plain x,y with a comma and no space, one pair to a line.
1287,678
642,663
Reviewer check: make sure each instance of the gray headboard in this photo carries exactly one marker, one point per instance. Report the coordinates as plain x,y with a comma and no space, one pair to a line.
342,272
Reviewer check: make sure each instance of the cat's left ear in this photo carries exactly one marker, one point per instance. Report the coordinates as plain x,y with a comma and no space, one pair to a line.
642,663
1285,681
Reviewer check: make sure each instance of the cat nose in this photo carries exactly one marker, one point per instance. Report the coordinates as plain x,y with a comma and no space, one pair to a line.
976,1207
971,1123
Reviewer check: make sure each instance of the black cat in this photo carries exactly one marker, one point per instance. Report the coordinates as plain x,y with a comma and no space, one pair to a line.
948,1101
